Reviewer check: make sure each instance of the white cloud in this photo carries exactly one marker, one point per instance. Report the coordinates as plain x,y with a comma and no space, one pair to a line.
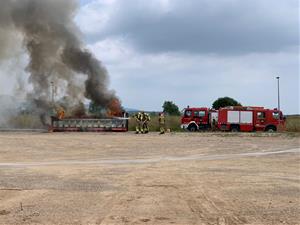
94,16
145,80
145,74
200,26
145,77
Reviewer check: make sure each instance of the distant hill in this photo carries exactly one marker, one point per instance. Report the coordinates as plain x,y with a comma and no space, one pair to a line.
130,110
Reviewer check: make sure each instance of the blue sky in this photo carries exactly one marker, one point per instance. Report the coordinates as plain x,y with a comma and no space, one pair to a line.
82,2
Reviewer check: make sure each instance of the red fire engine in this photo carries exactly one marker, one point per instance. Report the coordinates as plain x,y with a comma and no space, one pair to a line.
195,119
233,119
250,119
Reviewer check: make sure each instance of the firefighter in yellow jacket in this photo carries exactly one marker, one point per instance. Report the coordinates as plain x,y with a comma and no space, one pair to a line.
145,120
161,121
138,120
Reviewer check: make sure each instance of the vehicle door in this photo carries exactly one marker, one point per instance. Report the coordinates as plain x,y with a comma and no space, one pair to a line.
187,117
260,122
200,117
278,120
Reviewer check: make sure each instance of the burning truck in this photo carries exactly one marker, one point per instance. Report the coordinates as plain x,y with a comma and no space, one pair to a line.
57,64
89,124
111,119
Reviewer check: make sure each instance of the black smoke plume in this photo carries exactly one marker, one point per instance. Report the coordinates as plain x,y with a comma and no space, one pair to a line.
56,53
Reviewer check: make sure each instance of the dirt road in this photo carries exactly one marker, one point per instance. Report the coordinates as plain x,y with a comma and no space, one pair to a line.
181,178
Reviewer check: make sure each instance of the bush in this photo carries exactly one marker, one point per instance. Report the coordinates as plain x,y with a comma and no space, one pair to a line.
171,108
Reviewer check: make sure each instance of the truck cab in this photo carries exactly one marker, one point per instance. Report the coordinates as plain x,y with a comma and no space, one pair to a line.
194,119
270,120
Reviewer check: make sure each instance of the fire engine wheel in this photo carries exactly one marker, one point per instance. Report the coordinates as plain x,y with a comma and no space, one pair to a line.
270,129
192,128
235,129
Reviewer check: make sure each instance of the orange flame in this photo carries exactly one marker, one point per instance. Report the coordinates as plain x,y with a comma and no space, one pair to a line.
114,108
60,114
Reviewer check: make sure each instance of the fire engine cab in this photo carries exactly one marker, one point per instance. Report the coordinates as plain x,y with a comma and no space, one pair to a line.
195,119
233,118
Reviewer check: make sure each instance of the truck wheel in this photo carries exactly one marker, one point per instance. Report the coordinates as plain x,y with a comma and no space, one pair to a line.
235,129
192,128
270,129
223,127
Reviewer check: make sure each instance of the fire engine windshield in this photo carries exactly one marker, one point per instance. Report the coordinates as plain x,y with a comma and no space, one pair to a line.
188,113
276,115
199,113
261,115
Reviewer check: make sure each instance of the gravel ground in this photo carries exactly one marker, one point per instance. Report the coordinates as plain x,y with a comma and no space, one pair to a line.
123,178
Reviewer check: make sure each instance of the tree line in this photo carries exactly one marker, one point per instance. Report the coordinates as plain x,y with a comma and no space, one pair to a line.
171,108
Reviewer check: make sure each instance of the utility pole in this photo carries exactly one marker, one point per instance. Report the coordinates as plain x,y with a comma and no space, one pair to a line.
52,92
52,89
278,92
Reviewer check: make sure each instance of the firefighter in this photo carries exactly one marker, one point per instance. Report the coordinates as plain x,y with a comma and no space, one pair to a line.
138,119
145,120
161,121
214,124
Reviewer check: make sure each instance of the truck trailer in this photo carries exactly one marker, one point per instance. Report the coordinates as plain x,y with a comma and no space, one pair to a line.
89,124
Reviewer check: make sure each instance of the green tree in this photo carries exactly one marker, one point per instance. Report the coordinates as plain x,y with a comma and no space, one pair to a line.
225,101
171,108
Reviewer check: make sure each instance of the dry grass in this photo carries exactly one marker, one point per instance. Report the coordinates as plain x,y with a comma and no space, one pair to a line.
25,122
172,123
293,123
